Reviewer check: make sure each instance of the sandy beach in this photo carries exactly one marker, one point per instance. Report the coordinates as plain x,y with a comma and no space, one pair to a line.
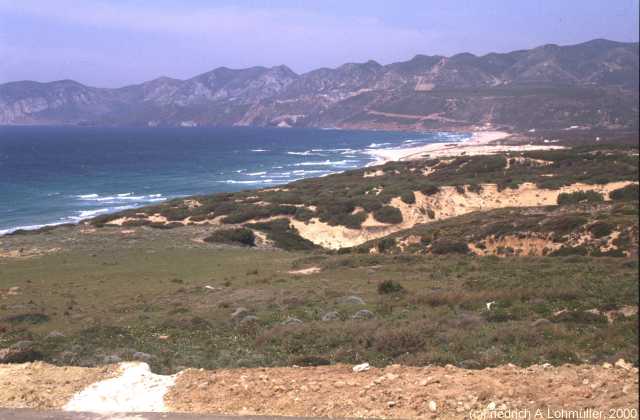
480,143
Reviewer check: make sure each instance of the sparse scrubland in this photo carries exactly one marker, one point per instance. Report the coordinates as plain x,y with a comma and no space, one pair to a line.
449,268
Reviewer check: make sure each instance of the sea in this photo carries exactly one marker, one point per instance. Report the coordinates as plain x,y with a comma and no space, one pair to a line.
56,175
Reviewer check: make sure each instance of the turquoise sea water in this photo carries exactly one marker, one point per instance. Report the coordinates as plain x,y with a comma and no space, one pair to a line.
52,175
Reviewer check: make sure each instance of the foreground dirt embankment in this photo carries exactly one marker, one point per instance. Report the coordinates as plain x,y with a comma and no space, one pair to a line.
44,386
339,391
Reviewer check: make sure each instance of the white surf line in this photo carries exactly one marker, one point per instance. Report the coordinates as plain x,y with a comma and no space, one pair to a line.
136,389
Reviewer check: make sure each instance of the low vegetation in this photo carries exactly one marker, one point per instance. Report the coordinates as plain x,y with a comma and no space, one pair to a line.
283,235
389,286
388,214
596,229
335,199
241,236
255,293
628,193
209,305
580,197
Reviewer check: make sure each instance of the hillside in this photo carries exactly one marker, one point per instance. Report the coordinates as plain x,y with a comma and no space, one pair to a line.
348,209
383,264
593,84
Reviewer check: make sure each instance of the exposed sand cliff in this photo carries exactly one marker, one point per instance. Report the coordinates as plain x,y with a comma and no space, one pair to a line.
446,203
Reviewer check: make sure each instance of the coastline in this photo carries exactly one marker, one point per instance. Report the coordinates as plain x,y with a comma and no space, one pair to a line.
286,161
480,142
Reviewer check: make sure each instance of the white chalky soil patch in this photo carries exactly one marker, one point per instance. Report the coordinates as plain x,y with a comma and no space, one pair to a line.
137,389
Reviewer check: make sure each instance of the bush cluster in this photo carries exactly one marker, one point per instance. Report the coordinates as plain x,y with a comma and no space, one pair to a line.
283,235
389,286
443,246
580,197
408,197
601,229
388,214
239,236
628,193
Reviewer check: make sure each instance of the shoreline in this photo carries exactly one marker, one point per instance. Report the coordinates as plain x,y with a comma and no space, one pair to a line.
480,143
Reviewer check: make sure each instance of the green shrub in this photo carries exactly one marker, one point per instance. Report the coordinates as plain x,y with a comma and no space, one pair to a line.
201,217
386,244
483,164
351,221
601,229
340,213
580,197
225,207
388,214
389,286
240,236
444,246
176,213
303,214
430,189
565,224
498,229
628,193
100,221
283,235
408,197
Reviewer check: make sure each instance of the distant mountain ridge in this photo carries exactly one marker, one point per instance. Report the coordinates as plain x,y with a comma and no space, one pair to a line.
590,84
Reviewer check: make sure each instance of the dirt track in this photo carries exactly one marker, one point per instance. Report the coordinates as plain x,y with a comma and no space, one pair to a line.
403,392
338,391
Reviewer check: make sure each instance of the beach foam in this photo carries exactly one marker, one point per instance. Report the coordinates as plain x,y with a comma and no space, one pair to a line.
123,197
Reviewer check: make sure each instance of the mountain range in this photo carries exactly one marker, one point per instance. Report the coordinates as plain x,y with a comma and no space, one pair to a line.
593,84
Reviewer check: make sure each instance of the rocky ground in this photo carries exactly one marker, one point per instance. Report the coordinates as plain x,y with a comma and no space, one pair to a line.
357,391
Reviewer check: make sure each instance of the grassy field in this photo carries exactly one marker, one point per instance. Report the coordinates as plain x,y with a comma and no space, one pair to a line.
160,296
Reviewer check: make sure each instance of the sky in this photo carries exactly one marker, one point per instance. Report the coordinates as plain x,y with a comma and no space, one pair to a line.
112,43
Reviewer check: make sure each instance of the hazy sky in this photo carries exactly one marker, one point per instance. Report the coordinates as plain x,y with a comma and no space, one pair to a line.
117,42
